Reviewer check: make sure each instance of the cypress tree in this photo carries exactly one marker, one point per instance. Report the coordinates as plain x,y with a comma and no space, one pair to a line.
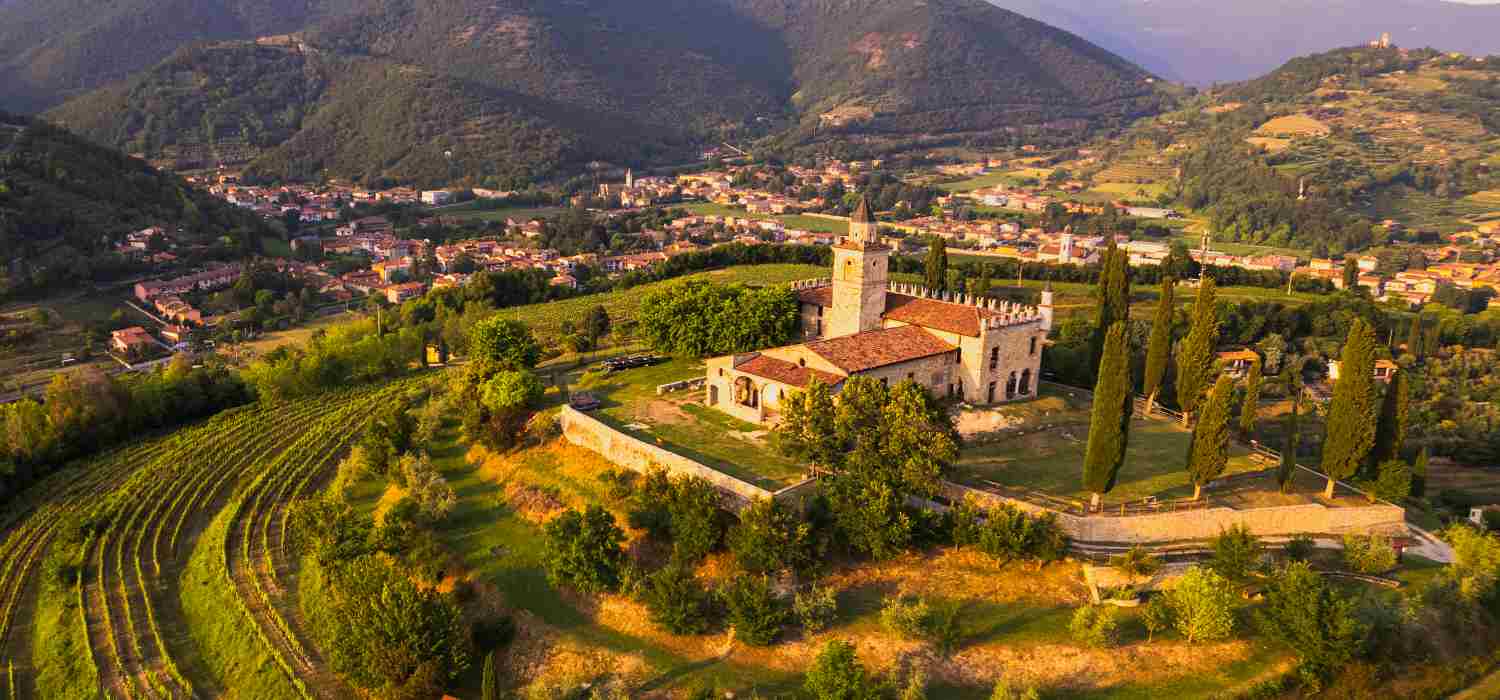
1208,452
1252,399
1414,337
937,264
1109,424
1351,274
1352,412
491,688
1432,339
1390,431
1419,475
1195,356
1288,467
1114,299
1159,348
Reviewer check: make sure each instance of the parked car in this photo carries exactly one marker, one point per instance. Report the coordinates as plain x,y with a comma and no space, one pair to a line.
583,401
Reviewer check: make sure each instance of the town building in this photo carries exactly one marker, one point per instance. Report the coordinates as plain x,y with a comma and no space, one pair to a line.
132,339
981,351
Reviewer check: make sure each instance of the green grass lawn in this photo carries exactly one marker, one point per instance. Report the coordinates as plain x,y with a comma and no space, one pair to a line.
681,424
1045,453
275,247
546,318
793,221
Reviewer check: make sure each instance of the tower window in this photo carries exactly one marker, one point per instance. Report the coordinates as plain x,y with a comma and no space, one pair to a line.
994,357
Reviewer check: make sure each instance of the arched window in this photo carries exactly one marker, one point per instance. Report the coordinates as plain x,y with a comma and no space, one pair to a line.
1033,345
1026,382
994,357
1010,386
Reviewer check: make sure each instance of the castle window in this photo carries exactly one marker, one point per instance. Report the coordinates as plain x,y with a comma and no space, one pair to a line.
801,362
994,358
911,376
885,383
1033,345
958,356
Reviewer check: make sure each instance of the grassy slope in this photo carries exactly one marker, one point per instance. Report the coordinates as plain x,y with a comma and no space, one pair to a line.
546,318
60,647
224,637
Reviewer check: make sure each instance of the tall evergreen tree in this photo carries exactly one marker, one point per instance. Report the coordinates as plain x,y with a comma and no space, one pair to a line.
1159,349
1252,400
1288,467
1109,425
1390,431
1208,452
1195,355
490,690
1114,299
1351,273
1414,337
1352,412
1432,339
1419,475
937,264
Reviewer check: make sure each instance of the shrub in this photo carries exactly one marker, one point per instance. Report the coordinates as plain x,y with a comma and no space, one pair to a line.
1095,626
619,483
1008,533
1392,481
1369,554
676,601
543,428
1317,622
1005,691
838,675
1156,616
1236,553
582,550
1299,548
1476,562
770,537
1202,605
753,609
913,617
905,616
1137,563
684,510
816,608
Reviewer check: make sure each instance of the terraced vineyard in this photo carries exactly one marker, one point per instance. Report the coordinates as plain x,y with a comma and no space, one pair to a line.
148,507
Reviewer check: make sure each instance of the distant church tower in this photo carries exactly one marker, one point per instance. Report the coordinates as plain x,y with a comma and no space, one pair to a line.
1065,246
629,179
861,270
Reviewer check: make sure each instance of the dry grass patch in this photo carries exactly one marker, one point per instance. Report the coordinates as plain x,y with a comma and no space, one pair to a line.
1294,125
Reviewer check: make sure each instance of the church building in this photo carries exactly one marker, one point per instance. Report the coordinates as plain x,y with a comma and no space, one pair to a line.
978,350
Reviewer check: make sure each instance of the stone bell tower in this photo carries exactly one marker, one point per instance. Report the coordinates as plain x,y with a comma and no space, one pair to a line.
861,270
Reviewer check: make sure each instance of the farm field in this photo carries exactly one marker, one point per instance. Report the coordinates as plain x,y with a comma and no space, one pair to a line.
179,594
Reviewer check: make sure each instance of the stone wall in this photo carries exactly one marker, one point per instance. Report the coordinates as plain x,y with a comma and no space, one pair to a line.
640,456
1205,523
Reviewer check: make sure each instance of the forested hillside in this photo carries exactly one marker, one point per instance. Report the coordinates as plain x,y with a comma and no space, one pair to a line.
64,202
1318,153
519,89
54,49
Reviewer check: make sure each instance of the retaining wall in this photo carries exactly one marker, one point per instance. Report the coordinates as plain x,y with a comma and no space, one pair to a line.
640,456
1202,524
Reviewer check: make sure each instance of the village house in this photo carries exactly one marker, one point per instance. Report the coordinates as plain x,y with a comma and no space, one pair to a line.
860,323
129,340
398,293
1237,363
1383,372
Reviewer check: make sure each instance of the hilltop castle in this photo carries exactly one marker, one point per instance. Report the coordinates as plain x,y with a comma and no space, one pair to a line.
981,351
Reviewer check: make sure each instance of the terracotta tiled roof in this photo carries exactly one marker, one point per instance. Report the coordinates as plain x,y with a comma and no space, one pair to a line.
785,372
931,313
1233,355
878,348
819,296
